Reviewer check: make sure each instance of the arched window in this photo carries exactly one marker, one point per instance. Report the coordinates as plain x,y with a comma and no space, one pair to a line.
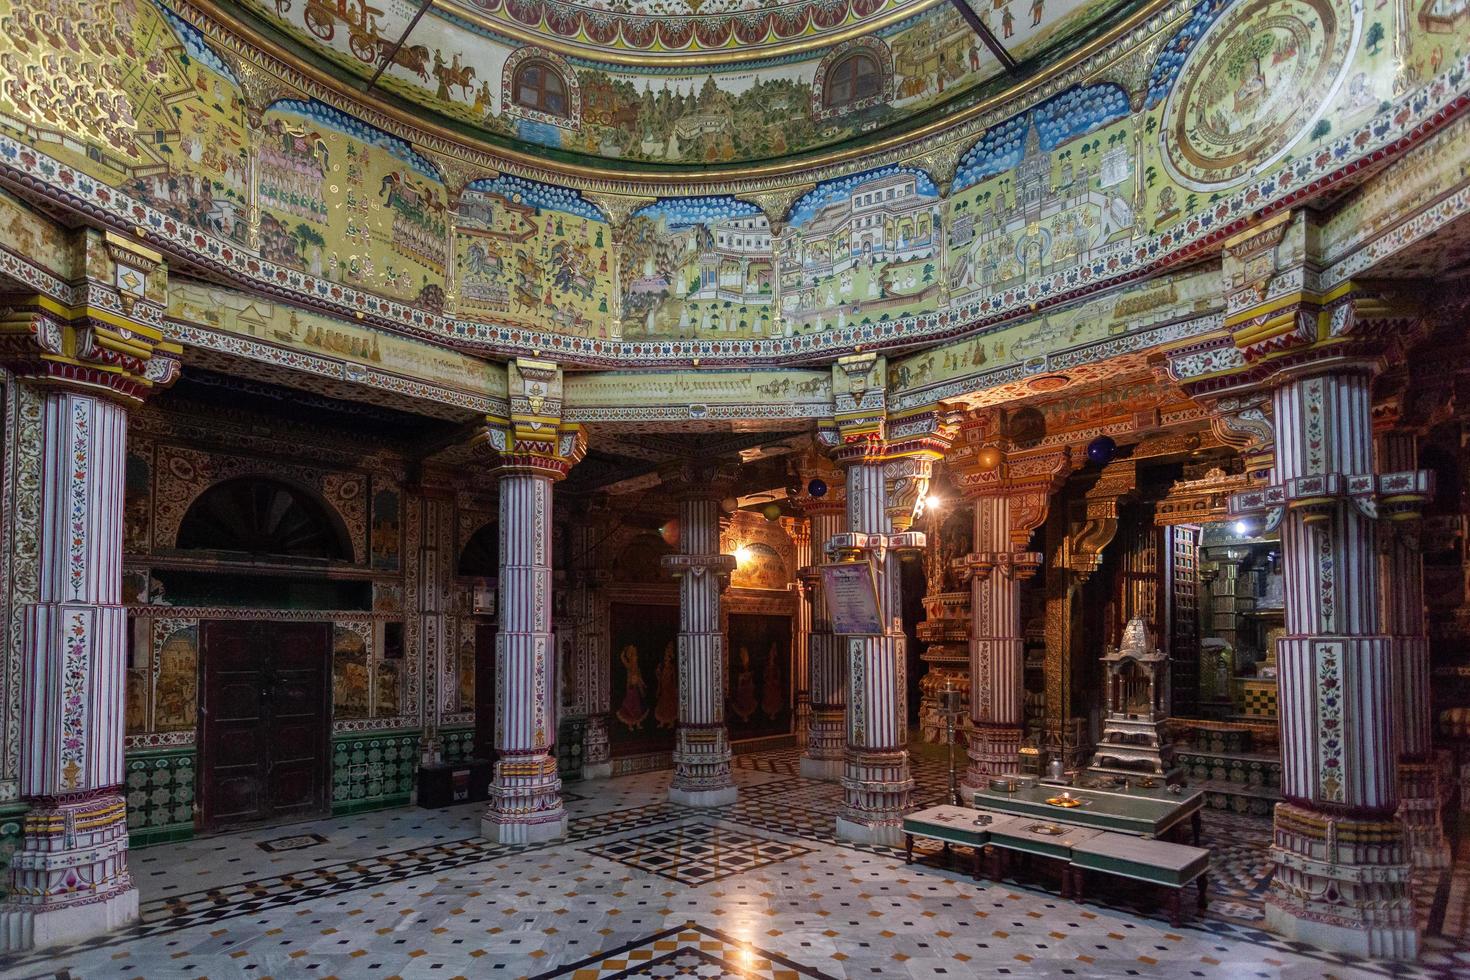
540,87
261,517
852,78
481,555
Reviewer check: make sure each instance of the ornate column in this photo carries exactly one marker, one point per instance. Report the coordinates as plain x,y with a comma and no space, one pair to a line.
1011,495
1401,568
530,450
800,532
587,535
430,567
888,466
826,734
78,371
1342,875
702,748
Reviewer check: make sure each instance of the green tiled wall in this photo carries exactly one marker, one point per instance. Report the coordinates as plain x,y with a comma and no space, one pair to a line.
10,817
160,791
459,743
373,770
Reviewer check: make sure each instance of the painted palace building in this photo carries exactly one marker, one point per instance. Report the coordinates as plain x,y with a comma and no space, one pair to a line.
734,488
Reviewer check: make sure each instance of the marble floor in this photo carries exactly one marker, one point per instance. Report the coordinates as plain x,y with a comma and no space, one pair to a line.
644,888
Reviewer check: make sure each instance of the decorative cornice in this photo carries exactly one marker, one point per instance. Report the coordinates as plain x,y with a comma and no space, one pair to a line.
87,346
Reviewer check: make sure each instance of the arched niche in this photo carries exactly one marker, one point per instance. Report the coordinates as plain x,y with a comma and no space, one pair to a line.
263,517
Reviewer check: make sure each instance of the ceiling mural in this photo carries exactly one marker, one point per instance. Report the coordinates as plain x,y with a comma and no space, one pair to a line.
693,265
1091,183
348,203
865,246
675,81
532,253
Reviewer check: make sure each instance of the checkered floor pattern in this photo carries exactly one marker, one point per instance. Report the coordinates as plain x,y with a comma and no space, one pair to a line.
644,888
696,853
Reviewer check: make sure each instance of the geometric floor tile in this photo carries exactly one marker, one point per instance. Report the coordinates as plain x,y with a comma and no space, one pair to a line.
688,951
694,854
296,842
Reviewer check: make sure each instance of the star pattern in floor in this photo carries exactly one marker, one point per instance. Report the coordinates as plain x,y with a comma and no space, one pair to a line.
644,888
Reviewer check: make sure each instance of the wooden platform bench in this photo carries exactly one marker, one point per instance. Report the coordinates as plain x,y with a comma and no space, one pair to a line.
1168,865
964,826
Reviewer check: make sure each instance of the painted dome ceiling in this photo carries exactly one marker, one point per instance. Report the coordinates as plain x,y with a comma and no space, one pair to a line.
650,84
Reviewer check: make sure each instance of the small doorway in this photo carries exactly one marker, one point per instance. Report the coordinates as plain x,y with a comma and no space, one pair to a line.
264,721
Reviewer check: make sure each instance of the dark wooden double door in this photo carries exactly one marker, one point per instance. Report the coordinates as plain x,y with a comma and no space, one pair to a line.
264,721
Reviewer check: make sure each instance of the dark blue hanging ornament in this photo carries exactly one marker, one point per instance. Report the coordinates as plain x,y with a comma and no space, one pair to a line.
817,488
1102,450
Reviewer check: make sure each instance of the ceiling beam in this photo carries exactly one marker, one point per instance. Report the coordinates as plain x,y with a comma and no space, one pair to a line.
986,34
392,52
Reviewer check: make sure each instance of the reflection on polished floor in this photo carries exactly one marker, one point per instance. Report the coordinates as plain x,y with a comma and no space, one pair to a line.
644,888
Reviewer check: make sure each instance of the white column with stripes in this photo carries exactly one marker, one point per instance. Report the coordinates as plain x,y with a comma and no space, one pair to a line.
996,649
702,745
826,735
876,782
525,794
800,532
1341,869
1402,586
70,876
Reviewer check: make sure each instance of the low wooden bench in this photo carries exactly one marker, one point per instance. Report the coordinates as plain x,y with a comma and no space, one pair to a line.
1169,865
960,825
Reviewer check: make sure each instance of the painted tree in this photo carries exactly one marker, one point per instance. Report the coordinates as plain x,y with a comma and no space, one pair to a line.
1375,37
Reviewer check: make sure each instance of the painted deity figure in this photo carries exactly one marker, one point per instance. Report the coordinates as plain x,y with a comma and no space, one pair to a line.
633,710
744,703
666,701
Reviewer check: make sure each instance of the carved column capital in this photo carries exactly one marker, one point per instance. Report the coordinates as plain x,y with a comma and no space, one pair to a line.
532,438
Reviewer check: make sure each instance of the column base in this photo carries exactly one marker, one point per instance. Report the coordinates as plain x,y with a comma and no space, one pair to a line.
888,833
23,928
1419,812
525,801
827,770
1341,883
722,796
502,829
876,789
993,750
1379,942
70,877
596,770
702,767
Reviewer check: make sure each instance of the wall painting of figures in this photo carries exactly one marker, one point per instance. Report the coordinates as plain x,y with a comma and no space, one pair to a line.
758,675
645,678
861,249
349,203
534,254
697,266
139,101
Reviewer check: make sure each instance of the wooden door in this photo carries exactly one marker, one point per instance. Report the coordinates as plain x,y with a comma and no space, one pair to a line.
299,703
264,721
485,691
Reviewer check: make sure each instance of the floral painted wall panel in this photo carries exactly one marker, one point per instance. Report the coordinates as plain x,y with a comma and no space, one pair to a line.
697,266
861,249
343,201
139,101
535,254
